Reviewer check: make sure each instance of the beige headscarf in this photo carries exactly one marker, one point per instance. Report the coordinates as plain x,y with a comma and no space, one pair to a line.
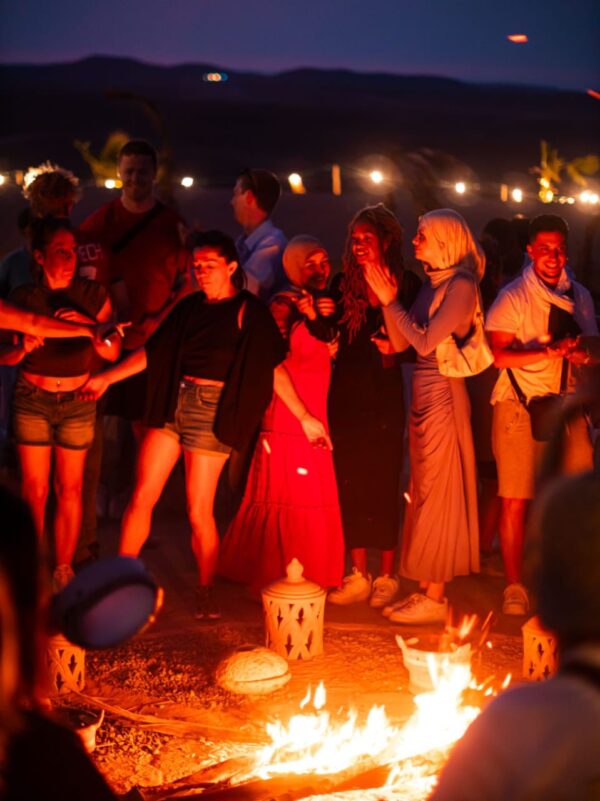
455,248
295,255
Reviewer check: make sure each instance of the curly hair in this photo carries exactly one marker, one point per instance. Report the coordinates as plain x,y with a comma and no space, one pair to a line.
51,190
355,298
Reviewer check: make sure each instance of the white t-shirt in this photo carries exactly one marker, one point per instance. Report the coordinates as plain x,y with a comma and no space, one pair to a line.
519,311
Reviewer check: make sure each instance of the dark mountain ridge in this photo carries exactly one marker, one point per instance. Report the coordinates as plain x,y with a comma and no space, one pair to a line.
301,119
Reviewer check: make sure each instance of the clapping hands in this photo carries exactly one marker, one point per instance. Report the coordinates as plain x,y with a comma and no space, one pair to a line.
383,284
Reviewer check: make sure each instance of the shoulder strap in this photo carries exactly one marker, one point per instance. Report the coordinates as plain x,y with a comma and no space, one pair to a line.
564,376
137,228
518,391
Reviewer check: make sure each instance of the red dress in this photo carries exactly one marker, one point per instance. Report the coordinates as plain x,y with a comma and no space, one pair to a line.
290,506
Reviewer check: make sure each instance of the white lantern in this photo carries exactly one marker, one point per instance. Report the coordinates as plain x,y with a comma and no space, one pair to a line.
540,651
66,666
294,610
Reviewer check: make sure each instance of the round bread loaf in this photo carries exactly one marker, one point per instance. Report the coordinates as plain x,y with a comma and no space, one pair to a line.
253,671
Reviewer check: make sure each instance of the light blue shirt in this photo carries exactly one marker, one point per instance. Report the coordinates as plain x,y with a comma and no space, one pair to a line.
261,259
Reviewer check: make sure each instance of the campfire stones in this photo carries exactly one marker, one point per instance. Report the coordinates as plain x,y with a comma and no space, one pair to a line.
253,671
294,610
540,651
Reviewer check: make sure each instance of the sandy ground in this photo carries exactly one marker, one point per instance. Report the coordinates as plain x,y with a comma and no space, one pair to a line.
168,672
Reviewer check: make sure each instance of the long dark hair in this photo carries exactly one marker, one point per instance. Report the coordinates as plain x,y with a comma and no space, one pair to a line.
355,298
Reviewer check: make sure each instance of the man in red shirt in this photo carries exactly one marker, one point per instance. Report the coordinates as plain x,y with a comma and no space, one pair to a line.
145,260
142,237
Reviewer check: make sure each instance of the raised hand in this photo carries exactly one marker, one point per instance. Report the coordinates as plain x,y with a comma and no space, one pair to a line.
73,316
325,306
31,342
306,305
383,285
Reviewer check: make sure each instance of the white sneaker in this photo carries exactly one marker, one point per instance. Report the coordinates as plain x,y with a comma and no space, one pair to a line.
385,589
420,609
355,588
387,610
516,600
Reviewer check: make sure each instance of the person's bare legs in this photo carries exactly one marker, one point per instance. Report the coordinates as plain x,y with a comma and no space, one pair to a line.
201,478
158,455
68,483
512,535
359,560
435,590
489,514
36,461
387,562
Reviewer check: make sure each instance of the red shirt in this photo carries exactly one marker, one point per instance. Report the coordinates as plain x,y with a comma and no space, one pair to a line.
148,264
92,258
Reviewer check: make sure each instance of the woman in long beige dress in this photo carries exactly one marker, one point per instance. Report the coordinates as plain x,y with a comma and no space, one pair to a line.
441,537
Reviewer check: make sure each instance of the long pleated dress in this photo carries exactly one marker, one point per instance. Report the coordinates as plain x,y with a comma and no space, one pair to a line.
290,506
441,535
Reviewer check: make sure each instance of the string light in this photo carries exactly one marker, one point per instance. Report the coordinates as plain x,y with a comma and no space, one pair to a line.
296,184
460,187
110,183
376,176
187,182
517,195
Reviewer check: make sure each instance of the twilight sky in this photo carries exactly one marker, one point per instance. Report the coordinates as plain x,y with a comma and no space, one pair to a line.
457,38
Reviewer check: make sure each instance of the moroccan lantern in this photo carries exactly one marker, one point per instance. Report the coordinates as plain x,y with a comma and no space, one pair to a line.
66,666
540,651
294,609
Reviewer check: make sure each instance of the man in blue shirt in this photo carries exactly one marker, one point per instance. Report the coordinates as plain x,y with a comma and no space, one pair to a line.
261,247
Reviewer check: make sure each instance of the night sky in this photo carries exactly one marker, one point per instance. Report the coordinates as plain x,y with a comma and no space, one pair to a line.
459,38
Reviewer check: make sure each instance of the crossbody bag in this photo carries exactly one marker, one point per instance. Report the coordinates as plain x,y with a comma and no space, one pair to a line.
544,410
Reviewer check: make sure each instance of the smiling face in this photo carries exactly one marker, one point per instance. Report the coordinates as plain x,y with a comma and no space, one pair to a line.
213,273
314,273
58,259
138,174
365,245
548,252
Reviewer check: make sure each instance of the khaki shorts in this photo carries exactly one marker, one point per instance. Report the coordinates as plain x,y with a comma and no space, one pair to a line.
518,455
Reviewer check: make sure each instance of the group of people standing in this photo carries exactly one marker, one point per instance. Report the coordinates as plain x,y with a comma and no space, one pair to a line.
295,383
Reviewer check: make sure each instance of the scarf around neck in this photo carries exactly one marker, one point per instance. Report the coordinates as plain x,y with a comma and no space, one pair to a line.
542,291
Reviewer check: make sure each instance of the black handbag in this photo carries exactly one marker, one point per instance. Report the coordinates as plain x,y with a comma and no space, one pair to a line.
544,410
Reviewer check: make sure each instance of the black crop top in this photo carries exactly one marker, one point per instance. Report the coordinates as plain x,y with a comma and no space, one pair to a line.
211,337
61,357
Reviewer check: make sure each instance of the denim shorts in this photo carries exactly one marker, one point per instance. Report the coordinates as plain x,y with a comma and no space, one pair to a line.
197,406
52,418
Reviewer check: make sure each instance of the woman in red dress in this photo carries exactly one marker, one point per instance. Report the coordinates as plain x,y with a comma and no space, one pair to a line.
290,506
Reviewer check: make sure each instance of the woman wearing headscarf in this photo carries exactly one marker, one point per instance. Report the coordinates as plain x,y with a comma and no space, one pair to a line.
441,537
290,507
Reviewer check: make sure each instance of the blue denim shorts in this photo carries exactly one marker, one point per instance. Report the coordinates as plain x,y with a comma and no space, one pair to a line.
52,418
197,406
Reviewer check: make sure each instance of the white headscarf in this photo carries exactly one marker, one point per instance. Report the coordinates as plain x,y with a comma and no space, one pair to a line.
454,247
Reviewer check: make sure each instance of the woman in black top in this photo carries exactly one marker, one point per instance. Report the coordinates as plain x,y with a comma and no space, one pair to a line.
49,420
211,366
366,409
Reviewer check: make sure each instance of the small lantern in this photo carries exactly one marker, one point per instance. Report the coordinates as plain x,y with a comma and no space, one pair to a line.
294,610
66,666
540,651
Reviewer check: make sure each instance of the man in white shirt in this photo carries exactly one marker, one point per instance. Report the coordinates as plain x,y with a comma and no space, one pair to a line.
532,328
261,247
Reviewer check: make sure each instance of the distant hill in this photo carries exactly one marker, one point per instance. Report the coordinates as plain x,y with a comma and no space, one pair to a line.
302,119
